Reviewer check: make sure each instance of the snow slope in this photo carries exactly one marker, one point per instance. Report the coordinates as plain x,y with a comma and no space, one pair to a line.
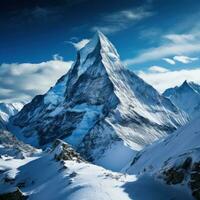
174,159
63,179
184,140
72,179
99,105
186,97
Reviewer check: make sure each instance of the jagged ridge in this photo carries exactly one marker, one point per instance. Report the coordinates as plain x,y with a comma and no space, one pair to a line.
186,97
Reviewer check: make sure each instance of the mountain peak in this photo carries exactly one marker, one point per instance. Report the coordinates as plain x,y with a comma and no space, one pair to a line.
100,35
190,84
185,83
105,43
99,43
186,97
98,50
185,86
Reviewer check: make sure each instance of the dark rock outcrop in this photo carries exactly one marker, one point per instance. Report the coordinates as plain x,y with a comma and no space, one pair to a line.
186,173
63,151
195,180
14,194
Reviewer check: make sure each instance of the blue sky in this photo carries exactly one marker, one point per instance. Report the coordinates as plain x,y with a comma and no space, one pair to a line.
151,36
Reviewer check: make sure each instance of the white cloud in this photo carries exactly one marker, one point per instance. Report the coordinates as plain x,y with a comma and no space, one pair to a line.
164,80
120,20
134,14
170,61
79,45
109,28
184,59
176,45
158,69
180,38
57,57
21,82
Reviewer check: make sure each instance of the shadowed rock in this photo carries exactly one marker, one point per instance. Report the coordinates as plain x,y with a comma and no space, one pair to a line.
63,151
14,194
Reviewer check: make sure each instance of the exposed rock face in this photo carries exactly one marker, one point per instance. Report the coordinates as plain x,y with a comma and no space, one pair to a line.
62,151
15,194
174,176
195,180
98,139
177,174
188,173
11,146
98,103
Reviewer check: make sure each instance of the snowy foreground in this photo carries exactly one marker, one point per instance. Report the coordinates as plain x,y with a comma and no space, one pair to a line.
47,177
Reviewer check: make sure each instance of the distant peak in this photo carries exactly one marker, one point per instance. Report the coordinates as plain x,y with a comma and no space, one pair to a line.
185,86
189,83
185,82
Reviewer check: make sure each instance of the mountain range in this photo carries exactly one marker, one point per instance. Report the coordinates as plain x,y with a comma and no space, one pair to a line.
7,110
99,107
103,133
186,97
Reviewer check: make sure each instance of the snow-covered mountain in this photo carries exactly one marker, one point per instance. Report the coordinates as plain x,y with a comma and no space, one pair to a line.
175,159
10,146
97,106
6,111
186,97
